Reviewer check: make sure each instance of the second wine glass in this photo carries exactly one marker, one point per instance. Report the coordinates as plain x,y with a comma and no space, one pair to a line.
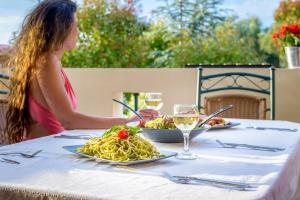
186,118
153,101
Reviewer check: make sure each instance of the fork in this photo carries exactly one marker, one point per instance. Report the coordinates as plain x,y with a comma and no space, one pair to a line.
5,160
252,147
273,128
83,137
211,182
25,155
193,180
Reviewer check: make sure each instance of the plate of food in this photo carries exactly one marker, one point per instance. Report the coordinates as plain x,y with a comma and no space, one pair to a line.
163,129
221,123
120,145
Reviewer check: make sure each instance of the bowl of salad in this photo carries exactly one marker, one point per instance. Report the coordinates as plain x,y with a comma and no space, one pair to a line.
163,129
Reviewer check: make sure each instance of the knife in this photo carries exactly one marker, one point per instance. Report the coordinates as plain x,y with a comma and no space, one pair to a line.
230,183
83,137
273,128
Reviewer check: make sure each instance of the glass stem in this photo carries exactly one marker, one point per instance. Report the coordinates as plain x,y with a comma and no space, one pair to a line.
186,136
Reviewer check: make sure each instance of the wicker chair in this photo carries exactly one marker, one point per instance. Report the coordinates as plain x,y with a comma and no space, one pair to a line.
235,78
3,110
4,79
245,107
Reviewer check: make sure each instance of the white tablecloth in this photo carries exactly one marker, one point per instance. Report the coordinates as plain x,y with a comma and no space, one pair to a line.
58,174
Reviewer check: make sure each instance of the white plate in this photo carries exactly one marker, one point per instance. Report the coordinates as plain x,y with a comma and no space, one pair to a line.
227,125
74,148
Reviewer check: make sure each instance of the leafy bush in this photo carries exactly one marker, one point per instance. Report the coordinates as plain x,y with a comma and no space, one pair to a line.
112,35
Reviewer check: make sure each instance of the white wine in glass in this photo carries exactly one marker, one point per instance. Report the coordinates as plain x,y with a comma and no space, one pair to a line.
153,101
185,119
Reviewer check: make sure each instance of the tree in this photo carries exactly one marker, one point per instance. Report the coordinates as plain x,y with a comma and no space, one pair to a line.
199,17
159,41
110,36
231,42
193,31
288,12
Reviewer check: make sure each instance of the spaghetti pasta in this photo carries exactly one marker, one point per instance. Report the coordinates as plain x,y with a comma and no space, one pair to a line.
111,147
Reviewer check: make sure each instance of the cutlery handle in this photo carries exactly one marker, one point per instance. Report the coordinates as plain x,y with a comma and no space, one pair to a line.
132,110
284,129
263,147
230,183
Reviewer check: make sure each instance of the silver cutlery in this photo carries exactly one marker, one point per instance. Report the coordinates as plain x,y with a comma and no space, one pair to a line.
125,105
195,180
210,182
252,147
5,160
231,183
25,155
82,137
273,128
214,114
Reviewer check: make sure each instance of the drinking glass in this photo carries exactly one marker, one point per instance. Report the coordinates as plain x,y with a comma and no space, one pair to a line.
186,118
153,101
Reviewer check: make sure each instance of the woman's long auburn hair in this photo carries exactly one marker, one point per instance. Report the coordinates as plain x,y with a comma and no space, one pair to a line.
44,30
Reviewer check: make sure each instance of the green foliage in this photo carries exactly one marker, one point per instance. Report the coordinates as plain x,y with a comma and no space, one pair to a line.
198,17
288,12
230,42
271,52
291,40
110,36
131,130
191,31
160,43
128,99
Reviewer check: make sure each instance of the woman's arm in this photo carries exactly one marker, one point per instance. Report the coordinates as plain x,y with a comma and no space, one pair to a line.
51,84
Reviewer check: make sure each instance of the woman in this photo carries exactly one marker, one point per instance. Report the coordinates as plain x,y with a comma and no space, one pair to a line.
42,101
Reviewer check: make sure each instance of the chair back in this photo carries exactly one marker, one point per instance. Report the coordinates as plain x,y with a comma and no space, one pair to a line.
3,110
237,78
245,107
4,78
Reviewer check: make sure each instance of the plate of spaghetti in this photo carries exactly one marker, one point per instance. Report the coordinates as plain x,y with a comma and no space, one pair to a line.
120,145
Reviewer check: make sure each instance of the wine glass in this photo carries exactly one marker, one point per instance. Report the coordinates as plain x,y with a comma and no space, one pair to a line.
153,101
185,118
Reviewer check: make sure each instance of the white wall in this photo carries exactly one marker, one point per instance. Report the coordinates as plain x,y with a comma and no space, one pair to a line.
96,87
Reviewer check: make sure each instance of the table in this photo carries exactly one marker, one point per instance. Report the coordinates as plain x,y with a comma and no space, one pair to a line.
58,174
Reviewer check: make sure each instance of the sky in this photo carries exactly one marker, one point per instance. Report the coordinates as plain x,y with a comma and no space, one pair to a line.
12,12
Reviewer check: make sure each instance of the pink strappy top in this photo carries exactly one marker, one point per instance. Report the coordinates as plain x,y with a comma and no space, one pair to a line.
44,116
